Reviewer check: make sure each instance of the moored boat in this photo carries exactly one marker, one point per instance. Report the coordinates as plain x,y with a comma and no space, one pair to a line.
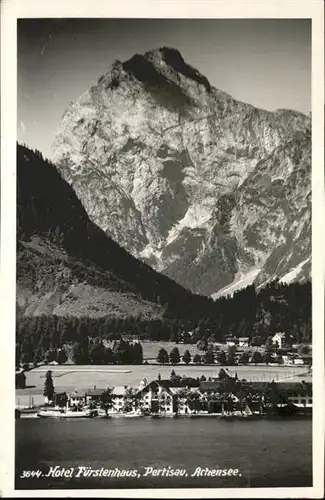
61,413
133,414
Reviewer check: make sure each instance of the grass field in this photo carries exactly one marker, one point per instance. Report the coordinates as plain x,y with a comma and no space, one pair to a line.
69,378
151,349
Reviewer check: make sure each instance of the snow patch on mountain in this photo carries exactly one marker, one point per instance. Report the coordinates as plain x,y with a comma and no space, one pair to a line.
241,280
294,273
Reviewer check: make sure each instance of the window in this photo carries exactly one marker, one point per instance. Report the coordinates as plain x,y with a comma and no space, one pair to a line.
310,401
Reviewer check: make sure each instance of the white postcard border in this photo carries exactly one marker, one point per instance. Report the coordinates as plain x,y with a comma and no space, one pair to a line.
13,9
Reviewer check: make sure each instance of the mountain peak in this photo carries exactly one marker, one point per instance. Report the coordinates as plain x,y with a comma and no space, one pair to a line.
200,186
166,53
155,66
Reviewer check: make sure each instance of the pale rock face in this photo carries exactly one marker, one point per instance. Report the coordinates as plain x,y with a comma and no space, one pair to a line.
204,188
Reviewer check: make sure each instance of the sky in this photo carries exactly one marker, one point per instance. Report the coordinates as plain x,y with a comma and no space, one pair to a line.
264,62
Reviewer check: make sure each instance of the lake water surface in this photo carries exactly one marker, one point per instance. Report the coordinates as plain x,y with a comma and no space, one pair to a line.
267,453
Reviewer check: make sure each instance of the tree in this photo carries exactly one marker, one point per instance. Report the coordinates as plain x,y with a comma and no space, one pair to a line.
269,344
208,358
122,352
197,359
174,356
130,400
50,356
256,341
187,357
279,359
109,356
18,354
162,356
97,353
48,386
106,399
181,396
61,356
38,355
231,355
194,402
137,354
175,379
222,358
174,336
257,357
244,358
202,345
268,358
304,349
77,355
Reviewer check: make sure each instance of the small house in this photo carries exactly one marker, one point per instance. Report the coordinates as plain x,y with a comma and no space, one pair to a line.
230,341
279,340
93,395
76,398
243,341
307,359
118,394
297,360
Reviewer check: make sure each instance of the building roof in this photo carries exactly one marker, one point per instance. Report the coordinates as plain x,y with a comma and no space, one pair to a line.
95,392
258,386
156,384
77,394
294,387
306,356
217,385
243,338
119,390
176,390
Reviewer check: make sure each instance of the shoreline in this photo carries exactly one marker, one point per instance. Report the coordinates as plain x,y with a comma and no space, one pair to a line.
219,416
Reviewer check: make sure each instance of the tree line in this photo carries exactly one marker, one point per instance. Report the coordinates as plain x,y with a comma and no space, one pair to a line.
252,314
86,352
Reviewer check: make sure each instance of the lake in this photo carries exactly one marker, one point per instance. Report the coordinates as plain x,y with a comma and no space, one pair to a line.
265,453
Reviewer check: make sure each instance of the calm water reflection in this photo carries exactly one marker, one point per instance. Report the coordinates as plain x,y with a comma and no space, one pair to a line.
267,453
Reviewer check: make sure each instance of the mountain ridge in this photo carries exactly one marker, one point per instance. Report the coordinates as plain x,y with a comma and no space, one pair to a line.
168,165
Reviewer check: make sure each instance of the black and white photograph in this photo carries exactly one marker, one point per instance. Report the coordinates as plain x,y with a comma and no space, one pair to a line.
164,335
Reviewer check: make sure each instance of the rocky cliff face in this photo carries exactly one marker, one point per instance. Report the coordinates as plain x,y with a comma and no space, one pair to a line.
212,192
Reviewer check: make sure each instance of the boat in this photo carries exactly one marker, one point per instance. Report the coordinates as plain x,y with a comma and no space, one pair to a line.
247,414
226,415
50,413
133,414
103,414
66,413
